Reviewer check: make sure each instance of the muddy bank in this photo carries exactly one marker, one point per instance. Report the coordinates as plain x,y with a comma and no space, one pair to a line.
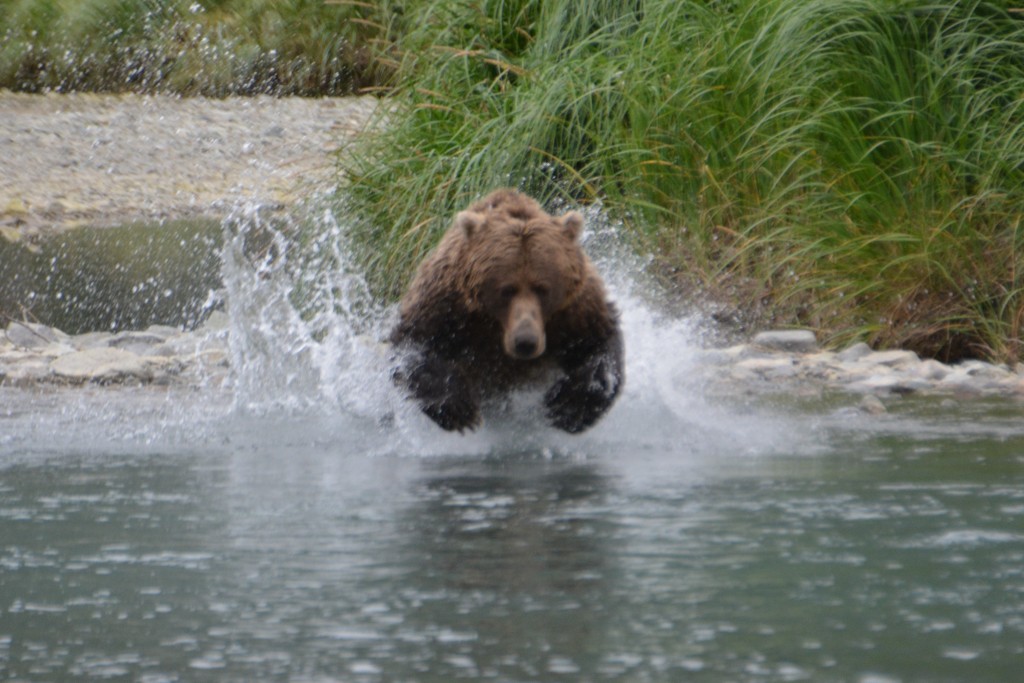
74,159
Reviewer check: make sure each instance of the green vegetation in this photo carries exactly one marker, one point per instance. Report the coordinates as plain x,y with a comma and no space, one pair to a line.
192,47
856,166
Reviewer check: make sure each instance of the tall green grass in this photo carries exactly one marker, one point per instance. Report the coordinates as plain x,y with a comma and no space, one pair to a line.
856,166
207,47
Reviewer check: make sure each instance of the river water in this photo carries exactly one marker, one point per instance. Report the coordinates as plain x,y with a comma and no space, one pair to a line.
306,524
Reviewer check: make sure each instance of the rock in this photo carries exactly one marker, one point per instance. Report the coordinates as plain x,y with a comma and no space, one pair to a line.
159,350
25,373
101,365
982,370
33,335
136,342
854,353
958,380
823,364
51,351
767,367
872,405
165,331
889,383
91,340
892,359
933,370
164,367
793,341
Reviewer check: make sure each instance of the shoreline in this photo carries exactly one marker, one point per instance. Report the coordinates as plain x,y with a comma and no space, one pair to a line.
109,159
33,355
95,159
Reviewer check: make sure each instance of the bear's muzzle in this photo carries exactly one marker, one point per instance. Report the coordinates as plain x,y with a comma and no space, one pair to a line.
524,333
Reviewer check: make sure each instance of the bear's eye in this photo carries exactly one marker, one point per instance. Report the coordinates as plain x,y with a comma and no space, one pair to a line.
508,292
540,290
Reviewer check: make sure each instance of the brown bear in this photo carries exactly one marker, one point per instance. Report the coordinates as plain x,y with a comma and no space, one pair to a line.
507,298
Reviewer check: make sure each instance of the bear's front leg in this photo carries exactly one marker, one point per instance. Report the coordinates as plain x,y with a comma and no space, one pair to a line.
591,384
443,392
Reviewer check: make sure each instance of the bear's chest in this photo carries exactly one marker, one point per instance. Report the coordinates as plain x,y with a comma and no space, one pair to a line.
494,371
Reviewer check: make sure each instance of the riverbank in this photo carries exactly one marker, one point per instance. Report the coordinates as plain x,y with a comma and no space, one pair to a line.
87,159
90,159
779,363
855,169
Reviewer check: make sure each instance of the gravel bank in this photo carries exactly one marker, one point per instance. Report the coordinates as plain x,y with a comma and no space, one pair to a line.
73,159
34,355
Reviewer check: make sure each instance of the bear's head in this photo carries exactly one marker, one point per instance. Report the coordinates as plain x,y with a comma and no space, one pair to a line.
522,266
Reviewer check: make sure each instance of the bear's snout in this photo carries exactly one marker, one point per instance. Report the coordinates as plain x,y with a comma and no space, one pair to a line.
524,334
525,344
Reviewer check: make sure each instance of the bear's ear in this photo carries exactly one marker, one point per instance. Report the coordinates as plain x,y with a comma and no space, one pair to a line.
573,223
469,222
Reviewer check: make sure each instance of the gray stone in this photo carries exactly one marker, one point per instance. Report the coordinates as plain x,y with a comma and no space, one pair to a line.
165,331
855,352
958,380
889,384
933,370
892,359
776,368
51,351
793,341
33,335
91,340
101,365
160,350
136,342
26,373
872,405
983,370
819,367
165,367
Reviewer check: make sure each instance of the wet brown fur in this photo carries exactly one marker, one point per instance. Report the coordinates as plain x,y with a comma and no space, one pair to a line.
507,289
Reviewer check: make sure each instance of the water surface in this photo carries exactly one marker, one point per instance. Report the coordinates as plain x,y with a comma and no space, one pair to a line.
279,549
306,524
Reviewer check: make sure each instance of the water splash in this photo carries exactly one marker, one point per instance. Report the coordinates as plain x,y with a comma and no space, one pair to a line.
306,337
309,369
302,319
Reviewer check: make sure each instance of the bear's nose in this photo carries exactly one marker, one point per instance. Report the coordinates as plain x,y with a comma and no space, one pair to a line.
525,345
